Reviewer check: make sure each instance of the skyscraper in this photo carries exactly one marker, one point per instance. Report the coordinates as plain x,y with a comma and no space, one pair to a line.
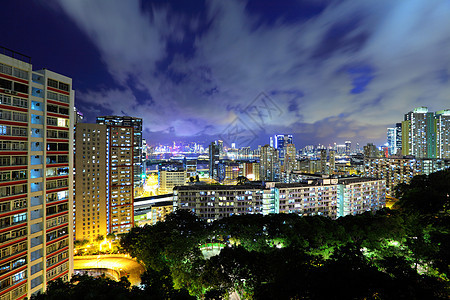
443,133
105,175
281,141
136,124
419,134
36,188
214,157
91,181
269,164
290,159
348,147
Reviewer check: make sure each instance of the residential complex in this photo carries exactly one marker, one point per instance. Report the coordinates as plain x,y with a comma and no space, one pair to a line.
104,179
168,179
426,134
36,182
136,142
395,170
328,197
91,208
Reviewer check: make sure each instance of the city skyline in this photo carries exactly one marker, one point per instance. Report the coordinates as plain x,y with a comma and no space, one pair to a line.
329,71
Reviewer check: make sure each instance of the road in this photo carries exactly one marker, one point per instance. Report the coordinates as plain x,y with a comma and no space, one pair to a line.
119,263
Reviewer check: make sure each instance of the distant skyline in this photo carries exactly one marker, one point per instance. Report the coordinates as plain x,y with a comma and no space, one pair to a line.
241,71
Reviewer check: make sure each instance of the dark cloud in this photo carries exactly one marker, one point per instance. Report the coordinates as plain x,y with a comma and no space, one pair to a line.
336,70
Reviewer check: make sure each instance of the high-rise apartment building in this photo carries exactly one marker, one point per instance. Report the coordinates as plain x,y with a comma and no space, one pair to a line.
36,119
397,170
348,147
443,134
214,158
290,159
105,175
91,198
269,164
419,134
280,143
136,142
426,134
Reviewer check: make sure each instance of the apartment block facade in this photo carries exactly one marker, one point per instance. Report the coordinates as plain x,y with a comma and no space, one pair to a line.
401,169
91,198
327,197
36,182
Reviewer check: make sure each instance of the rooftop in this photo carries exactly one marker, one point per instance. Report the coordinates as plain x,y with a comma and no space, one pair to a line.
15,55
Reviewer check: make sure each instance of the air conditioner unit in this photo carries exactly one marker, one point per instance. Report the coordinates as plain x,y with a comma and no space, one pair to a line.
7,91
13,92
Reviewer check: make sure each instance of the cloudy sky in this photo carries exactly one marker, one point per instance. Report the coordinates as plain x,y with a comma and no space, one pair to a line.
325,71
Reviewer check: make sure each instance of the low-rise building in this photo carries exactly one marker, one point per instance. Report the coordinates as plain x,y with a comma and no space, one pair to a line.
328,197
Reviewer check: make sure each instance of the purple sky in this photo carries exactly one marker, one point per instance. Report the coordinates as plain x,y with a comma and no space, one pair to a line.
325,71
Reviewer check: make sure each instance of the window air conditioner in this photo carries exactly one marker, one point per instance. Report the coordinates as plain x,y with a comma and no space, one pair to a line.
7,91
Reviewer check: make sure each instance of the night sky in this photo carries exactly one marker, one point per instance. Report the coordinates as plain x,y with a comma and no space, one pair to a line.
325,71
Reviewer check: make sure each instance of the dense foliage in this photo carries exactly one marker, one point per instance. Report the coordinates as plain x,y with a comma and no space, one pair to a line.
392,254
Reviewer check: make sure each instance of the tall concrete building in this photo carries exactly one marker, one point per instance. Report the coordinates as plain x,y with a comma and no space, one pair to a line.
348,147
419,134
104,190
214,158
136,143
443,134
397,170
280,144
426,134
90,181
290,159
269,168
36,184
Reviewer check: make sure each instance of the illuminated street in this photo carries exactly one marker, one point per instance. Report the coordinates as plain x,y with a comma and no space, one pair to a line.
119,263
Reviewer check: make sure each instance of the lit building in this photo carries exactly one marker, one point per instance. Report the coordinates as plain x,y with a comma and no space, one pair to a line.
250,170
419,134
332,164
36,204
213,202
394,139
136,142
290,158
269,164
280,143
323,161
168,179
370,150
190,165
150,210
443,134
401,170
348,147
91,198
327,197
214,158
104,188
